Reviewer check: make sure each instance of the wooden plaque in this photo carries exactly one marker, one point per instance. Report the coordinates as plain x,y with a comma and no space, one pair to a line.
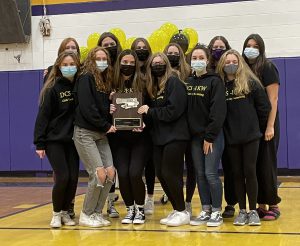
126,116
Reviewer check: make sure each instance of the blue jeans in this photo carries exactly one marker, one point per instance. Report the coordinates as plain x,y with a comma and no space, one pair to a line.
206,168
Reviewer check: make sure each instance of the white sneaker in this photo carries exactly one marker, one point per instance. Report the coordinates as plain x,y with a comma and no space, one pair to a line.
89,221
179,218
56,220
215,219
105,222
165,220
149,205
66,219
188,208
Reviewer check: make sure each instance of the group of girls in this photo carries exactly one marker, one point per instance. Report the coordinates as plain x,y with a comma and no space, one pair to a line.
213,104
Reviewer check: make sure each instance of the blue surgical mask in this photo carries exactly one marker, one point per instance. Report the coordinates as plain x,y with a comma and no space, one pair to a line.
251,53
198,65
101,65
68,71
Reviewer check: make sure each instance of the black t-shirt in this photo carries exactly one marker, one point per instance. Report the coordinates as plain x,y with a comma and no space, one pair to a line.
270,74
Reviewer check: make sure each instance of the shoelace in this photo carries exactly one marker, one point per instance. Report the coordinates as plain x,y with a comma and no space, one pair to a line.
130,213
203,214
139,214
215,215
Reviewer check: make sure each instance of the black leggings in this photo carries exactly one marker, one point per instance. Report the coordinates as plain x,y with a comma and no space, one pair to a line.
129,159
243,160
64,160
168,161
150,176
190,184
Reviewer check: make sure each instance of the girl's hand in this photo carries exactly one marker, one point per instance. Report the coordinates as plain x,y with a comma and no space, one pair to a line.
112,129
41,153
112,108
111,95
140,129
269,134
207,147
143,109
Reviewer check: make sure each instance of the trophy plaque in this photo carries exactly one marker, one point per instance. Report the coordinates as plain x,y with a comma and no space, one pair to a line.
126,116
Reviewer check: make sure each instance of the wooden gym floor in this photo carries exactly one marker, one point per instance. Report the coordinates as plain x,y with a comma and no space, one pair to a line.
25,213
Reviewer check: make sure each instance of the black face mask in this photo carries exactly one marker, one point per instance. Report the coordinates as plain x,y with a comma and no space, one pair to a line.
112,52
158,70
127,70
142,54
174,60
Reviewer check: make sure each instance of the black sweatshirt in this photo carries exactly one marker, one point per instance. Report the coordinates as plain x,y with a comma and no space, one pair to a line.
92,111
167,113
55,118
246,115
206,105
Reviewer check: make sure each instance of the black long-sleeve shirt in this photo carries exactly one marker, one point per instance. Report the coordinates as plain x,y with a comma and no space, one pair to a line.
246,114
167,113
206,105
92,111
55,118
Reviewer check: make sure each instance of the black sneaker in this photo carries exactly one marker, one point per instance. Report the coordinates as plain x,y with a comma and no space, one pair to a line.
139,217
130,215
71,211
228,212
111,210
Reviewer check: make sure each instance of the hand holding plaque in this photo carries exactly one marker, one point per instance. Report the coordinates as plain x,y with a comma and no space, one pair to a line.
126,116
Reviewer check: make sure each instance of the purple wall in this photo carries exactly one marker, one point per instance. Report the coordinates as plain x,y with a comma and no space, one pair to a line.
18,107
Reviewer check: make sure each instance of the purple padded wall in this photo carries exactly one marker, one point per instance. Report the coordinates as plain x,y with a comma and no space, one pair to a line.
282,152
23,104
4,124
293,111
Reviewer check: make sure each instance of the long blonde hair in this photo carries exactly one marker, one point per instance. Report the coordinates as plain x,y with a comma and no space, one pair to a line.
243,74
103,79
152,89
184,68
56,73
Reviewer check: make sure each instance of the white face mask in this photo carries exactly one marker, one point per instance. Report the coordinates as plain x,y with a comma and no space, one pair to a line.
101,65
198,65
251,53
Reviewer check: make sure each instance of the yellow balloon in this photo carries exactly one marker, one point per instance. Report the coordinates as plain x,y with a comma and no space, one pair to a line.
92,40
129,42
83,53
192,36
169,29
120,34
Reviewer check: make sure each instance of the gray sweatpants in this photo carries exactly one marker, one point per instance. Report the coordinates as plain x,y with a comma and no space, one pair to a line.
94,151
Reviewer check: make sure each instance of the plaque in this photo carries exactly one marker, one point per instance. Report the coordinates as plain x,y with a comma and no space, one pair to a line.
126,116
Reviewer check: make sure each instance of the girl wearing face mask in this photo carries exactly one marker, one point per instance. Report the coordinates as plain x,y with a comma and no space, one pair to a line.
144,52
169,130
130,146
248,108
68,44
177,60
92,123
111,43
217,47
53,134
265,70
206,114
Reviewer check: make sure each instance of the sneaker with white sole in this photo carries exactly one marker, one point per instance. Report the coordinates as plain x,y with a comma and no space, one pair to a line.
179,218
165,220
130,215
111,210
139,217
56,220
215,219
89,221
253,218
66,219
188,208
241,219
149,205
105,222
202,219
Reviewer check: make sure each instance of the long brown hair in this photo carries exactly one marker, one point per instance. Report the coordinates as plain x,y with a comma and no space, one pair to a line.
152,89
148,47
137,84
184,68
212,62
243,74
64,43
103,79
56,73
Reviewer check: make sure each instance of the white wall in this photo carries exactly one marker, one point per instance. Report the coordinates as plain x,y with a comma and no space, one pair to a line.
278,22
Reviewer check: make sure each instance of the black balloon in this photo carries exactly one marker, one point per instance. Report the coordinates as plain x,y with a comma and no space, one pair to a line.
182,40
